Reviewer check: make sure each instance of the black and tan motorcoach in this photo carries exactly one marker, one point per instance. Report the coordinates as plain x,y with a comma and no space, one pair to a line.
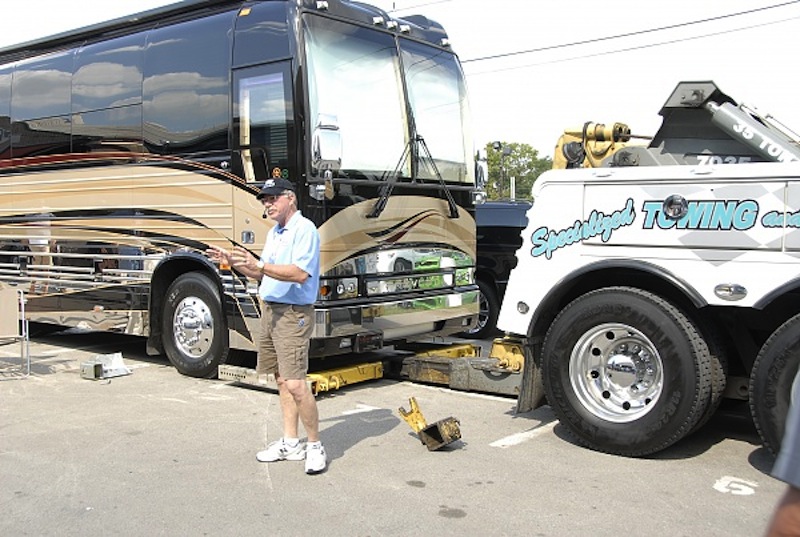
128,147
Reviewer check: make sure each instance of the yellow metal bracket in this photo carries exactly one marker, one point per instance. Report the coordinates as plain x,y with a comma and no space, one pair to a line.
413,417
435,436
508,353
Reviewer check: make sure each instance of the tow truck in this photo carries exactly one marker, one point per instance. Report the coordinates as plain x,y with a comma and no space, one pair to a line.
657,279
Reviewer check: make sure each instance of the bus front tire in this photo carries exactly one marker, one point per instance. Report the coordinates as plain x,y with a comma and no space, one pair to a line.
486,324
194,331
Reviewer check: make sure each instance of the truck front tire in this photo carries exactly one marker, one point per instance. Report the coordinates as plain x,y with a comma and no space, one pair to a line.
626,372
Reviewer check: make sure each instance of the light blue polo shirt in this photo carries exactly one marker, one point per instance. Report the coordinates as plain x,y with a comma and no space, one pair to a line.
787,466
296,243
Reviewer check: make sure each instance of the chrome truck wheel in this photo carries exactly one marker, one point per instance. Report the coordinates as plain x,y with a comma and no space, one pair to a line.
616,372
626,372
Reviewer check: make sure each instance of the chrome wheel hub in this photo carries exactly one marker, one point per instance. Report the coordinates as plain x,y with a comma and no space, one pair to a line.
616,372
193,327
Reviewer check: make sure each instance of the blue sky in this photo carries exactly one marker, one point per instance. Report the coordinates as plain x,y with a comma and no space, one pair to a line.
579,70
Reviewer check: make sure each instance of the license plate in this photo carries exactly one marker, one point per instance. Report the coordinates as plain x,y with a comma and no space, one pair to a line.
369,341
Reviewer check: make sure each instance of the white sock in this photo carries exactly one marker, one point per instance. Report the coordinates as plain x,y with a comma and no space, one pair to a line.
291,442
314,444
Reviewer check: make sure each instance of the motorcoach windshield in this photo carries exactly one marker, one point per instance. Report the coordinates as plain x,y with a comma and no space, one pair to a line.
356,76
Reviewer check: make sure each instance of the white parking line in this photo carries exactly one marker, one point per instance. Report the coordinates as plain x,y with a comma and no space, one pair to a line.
360,409
524,436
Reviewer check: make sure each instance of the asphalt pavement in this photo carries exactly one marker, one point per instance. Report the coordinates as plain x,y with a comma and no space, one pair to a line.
156,453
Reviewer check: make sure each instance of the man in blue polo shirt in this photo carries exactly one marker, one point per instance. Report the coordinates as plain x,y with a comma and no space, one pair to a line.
289,273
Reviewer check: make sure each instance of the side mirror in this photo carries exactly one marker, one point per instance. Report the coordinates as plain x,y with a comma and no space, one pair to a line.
326,145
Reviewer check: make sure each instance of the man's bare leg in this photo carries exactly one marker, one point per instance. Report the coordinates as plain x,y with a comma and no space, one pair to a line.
303,406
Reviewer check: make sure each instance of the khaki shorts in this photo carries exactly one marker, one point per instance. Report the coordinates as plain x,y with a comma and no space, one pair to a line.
284,339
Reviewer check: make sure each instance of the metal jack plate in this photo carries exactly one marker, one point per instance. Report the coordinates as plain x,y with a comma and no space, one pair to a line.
434,436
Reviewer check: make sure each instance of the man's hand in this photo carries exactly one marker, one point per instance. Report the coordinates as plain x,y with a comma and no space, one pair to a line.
786,517
219,255
243,260
238,257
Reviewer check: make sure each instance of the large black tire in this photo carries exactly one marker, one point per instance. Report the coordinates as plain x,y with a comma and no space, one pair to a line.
43,329
626,372
719,371
487,316
771,381
194,330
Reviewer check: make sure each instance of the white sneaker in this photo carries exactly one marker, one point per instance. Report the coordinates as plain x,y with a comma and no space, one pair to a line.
316,460
281,451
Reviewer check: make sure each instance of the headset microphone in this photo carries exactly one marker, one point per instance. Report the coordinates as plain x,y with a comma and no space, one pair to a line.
265,214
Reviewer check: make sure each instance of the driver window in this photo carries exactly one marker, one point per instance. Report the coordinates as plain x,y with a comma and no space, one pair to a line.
263,123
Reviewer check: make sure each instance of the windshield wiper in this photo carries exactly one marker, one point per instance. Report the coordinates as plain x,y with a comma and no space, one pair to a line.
386,190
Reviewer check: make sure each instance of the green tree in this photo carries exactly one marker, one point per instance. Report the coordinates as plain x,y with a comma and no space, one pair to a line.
520,161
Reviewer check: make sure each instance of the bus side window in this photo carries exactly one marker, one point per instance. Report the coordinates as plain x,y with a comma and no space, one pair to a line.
5,112
185,94
107,96
108,74
40,105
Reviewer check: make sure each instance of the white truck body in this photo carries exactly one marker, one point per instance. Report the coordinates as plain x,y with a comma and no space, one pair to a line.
743,228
